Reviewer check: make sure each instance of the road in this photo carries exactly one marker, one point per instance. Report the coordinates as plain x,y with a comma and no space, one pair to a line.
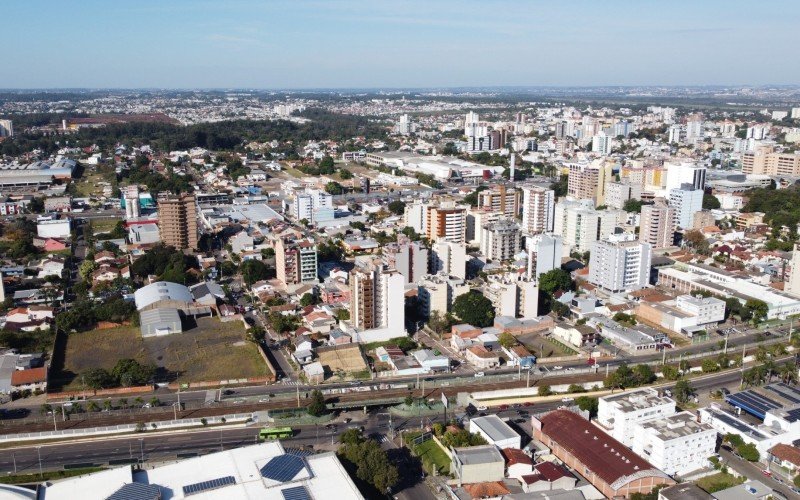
754,471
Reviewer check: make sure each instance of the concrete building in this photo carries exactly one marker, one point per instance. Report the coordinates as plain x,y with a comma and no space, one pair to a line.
618,414
377,303
6,128
609,465
177,221
764,161
436,293
601,144
580,225
130,195
680,173
495,432
446,222
404,125
657,225
296,260
676,444
588,181
313,206
409,258
617,193
415,216
477,218
477,464
449,258
513,297
538,209
793,283
686,201
501,240
685,315
544,254
620,266
501,198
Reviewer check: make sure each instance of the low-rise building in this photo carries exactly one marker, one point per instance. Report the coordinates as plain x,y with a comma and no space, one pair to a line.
482,358
477,464
495,431
618,414
677,444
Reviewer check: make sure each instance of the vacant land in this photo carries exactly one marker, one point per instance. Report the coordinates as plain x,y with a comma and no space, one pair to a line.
105,225
543,347
91,184
718,482
345,358
209,351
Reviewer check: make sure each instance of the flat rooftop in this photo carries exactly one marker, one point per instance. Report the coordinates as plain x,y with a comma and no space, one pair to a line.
494,427
676,426
637,400
476,455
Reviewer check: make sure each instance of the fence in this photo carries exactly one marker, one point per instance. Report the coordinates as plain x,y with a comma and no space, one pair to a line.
119,429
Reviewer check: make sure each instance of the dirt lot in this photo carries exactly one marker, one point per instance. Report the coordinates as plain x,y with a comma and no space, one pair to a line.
209,351
346,358
542,347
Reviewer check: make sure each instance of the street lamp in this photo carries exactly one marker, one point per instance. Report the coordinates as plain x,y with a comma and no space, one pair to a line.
141,448
39,453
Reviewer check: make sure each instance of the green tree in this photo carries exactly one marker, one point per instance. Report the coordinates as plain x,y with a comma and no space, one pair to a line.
254,270
554,280
758,309
709,365
308,299
316,405
345,174
334,188
797,480
682,391
351,436
643,374
98,378
670,372
474,308
326,162
544,390
587,403
710,202
397,207
129,372
507,340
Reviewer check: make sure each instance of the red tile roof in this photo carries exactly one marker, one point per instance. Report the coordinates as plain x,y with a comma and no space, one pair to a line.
551,471
602,454
514,456
483,490
786,453
32,376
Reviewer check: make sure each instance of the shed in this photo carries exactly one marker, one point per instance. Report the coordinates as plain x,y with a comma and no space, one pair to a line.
160,321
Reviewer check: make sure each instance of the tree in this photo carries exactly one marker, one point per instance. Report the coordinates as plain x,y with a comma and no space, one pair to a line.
758,309
98,378
334,188
709,365
633,206
440,323
308,299
670,372
748,452
129,372
682,391
797,480
86,269
228,268
345,174
621,378
342,314
397,207
554,280
710,202
544,390
254,270
351,436
587,403
409,401
643,374
474,308
696,240
317,406
370,463
326,162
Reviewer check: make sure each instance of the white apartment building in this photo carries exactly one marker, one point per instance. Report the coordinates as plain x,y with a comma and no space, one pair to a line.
676,444
501,240
601,144
694,129
314,206
476,219
707,310
657,225
620,266
446,222
544,254
415,216
377,304
513,298
793,284
686,201
617,193
684,172
436,293
6,128
409,258
449,258
580,225
538,209
618,414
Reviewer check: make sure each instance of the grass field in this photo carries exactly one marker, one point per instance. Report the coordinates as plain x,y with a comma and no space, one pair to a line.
543,347
208,352
87,185
718,482
104,225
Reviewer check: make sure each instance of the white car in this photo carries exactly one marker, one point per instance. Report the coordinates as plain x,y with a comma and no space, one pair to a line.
482,408
558,367
479,374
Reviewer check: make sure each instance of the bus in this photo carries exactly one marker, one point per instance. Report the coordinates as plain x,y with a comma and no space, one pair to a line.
275,433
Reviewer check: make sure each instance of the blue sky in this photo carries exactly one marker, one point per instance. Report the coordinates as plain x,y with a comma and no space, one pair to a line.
396,43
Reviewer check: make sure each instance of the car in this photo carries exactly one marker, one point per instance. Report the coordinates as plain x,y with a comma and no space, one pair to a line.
766,473
527,404
482,408
264,400
568,400
503,407
479,374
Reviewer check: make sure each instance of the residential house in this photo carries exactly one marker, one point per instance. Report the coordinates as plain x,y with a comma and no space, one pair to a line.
786,456
477,464
31,379
482,358
431,361
105,274
51,266
518,464
519,355
304,349
338,337
463,336
548,476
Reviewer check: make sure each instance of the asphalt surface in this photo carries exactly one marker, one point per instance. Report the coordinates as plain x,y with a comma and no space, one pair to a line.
756,472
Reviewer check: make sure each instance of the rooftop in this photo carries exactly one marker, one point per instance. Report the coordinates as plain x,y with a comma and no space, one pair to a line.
676,426
476,455
494,427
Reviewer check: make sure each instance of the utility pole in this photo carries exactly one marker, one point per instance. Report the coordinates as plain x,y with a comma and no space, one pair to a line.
298,396
14,458
725,349
141,447
39,453
55,427
528,378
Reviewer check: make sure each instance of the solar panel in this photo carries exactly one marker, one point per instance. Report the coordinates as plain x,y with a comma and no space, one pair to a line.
299,452
296,493
752,402
283,467
213,484
136,491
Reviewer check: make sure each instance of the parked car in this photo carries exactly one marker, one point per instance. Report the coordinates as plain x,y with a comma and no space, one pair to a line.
479,374
482,408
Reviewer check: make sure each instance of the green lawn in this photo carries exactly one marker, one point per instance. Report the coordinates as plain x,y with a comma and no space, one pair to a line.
430,452
718,482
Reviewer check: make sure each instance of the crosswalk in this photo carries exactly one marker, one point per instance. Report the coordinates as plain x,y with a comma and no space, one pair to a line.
290,382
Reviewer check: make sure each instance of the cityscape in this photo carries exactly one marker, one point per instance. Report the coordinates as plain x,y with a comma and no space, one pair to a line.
254,252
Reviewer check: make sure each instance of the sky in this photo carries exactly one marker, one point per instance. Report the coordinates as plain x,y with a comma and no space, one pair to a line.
397,43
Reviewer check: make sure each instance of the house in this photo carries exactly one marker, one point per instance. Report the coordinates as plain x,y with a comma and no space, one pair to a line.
548,476
786,456
338,337
315,372
50,244
431,361
518,463
385,354
207,293
495,432
31,379
576,335
463,336
303,349
319,321
519,355
482,358
105,257
684,491
105,274
477,464
50,267
755,490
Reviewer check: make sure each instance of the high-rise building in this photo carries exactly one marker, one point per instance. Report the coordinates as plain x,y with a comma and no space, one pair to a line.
544,254
415,216
657,225
409,258
694,128
588,181
763,161
617,193
501,198
686,201
6,128
512,297
793,284
619,266
476,219
447,222
580,225
601,143
501,240
377,302
680,173
674,136
313,206
473,126
177,221
296,260
404,125
538,209
449,258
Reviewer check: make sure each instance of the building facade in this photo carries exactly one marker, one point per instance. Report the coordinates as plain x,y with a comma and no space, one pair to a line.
177,221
